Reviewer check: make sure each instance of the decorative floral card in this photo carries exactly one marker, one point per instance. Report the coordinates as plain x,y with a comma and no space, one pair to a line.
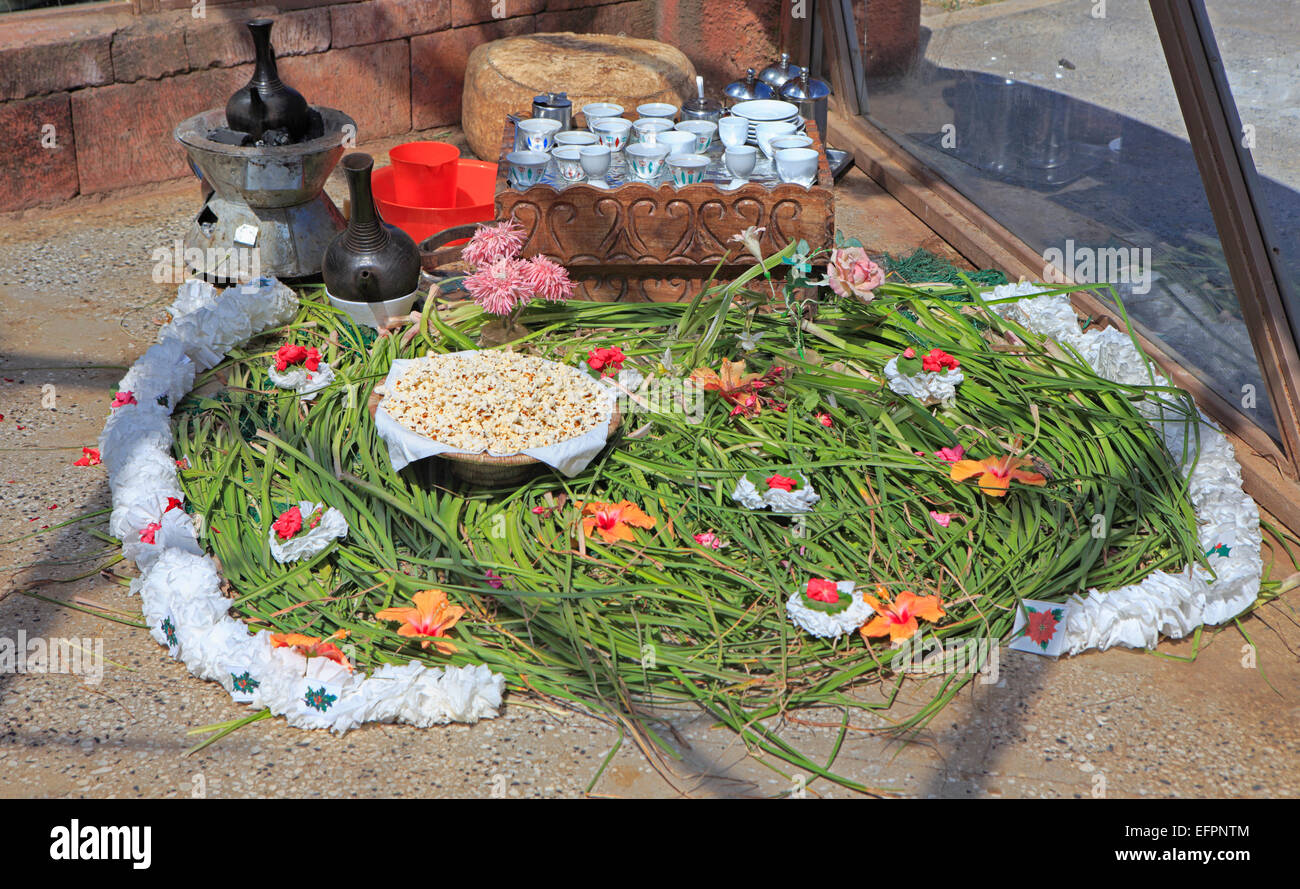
1040,627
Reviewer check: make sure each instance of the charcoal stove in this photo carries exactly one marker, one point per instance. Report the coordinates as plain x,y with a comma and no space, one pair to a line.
264,200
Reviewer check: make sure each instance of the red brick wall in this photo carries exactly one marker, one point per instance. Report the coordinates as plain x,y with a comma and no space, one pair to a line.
88,100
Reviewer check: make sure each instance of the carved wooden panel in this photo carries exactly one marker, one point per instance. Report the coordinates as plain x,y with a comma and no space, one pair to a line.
636,224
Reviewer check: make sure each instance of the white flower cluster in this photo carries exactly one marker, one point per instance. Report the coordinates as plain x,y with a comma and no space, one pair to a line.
309,541
1170,603
829,626
180,588
303,381
801,499
928,387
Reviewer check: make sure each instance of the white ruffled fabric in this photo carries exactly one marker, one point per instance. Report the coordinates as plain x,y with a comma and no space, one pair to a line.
191,296
928,387
829,626
1170,603
303,381
800,500
333,526
180,587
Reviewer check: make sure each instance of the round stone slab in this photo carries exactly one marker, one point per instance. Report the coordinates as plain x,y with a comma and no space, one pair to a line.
503,77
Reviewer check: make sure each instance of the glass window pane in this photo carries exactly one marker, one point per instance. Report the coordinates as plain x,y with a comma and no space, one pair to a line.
1259,45
1059,120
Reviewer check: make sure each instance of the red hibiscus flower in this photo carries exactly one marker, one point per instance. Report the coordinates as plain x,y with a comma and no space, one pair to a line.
89,457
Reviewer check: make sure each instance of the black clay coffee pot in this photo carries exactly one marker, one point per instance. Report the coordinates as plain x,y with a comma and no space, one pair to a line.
266,108
370,261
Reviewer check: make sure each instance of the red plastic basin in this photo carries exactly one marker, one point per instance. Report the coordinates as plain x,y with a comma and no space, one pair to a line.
475,195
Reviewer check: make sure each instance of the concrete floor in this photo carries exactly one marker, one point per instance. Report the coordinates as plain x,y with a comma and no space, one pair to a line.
77,306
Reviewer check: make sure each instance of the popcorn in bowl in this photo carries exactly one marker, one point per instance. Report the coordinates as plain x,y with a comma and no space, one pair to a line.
498,402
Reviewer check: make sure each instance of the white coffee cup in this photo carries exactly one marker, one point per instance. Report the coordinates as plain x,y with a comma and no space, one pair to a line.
740,160
678,141
797,165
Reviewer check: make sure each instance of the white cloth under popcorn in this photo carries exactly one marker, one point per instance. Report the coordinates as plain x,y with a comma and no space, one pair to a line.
829,626
928,387
1173,604
801,499
309,541
180,587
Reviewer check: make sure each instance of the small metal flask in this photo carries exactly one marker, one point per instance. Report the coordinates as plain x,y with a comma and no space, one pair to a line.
700,108
811,97
554,106
776,76
746,90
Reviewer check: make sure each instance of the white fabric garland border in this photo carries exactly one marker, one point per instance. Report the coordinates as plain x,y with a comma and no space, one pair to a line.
1162,603
180,587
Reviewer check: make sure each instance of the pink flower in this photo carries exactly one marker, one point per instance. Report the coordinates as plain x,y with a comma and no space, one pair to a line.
708,540
501,286
943,518
493,579
147,535
951,455
492,243
825,420
548,279
122,399
852,273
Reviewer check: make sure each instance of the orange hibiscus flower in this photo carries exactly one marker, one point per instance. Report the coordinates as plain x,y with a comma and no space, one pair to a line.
996,473
614,521
314,646
740,388
898,619
430,619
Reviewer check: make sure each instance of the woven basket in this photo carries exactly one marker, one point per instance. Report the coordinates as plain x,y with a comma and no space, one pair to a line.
510,469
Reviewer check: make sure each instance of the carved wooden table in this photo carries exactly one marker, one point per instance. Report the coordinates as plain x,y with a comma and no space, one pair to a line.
640,242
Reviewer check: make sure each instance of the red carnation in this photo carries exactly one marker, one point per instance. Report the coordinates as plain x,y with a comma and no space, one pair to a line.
823,591
607,361
780,481
938,360
289,523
